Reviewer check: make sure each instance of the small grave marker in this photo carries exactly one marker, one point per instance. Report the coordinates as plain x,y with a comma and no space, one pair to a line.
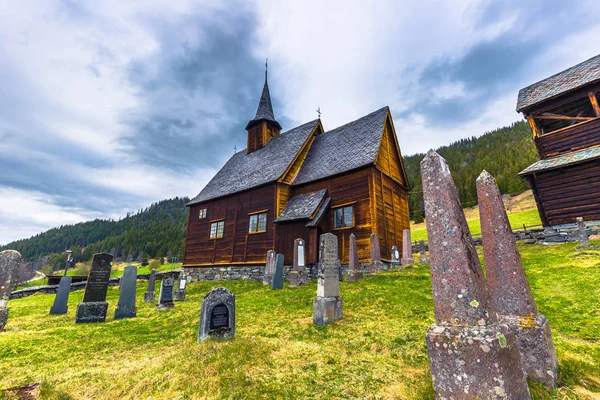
407,258
126,307
10,260
94,305
165,298
150,294
298,275
277,282
376,264
217,315
61,301
328,303
182,283
354,271
269,267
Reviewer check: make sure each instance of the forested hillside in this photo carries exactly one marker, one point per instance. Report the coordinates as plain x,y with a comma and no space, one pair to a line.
157,231
503,153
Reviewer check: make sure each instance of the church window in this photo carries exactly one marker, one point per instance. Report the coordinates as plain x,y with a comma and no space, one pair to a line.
216,229
202,213
343,217
258,223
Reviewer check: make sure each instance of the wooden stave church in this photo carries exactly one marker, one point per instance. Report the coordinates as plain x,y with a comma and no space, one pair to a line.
297,180
564,115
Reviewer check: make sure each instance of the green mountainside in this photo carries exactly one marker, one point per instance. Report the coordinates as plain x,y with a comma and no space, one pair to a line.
159,230
503,153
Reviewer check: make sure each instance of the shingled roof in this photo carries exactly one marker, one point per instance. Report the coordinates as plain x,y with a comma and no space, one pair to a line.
565,81
245,171
302,206
265,108
342,149
563,160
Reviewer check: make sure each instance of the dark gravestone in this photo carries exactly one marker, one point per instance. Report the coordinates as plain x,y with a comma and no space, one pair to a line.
269,268
395,257
422,253
510,288
217,315
61,301
354,272
277,282
165,298
407,258
126,307
150,293
466,345
298,275
181,284
10,261
328,303
376,264
94,305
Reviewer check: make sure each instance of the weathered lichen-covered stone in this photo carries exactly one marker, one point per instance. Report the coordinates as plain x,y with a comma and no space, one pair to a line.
61,301
269,267
217,315
298,275
407,258
3,318
94,306
328,303
150,294
277,282
422,253
354,272
509,287
471,355
376,264
126,307
584,239
10,261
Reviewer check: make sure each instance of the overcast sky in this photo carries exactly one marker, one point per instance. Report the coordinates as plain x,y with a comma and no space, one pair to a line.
106,107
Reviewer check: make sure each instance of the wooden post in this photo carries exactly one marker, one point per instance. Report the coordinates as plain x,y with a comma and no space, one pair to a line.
534,128
594,102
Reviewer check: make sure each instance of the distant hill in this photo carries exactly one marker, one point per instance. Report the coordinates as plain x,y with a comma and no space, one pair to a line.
157,231
503,153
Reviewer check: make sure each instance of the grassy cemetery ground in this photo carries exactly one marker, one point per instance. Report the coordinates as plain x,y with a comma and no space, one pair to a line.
521,210
376,351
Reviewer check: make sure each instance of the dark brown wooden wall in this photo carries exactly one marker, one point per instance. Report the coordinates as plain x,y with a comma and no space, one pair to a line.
237,245
576,137
567,193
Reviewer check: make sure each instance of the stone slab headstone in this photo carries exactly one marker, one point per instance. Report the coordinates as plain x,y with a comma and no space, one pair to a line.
10,261
298,275
509,286
269,267
126,307
407,257
61,301
165,297
217,315
328,303
181,285
466,345
277,282
584,239
376,264
94,305
354,272
395,256
422,253
150,294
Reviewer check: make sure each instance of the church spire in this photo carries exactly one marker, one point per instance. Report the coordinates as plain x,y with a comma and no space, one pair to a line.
264,112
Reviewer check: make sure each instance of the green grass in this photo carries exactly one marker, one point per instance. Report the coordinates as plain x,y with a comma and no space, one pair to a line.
376,351
517,220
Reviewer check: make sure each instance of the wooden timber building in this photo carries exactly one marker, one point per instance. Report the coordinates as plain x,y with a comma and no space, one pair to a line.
299,184
564,117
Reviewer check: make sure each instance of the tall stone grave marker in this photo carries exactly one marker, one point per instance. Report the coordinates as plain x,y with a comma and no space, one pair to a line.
395,257
376,264
61,301
422,253
277,282
407,258
354,272
468,349
328,303
298,275
150,293
217,315
165,298
94,305
126,307
269,267
510,288
584,240
10,260
181,285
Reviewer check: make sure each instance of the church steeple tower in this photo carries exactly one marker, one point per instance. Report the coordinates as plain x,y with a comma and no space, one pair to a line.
264,126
